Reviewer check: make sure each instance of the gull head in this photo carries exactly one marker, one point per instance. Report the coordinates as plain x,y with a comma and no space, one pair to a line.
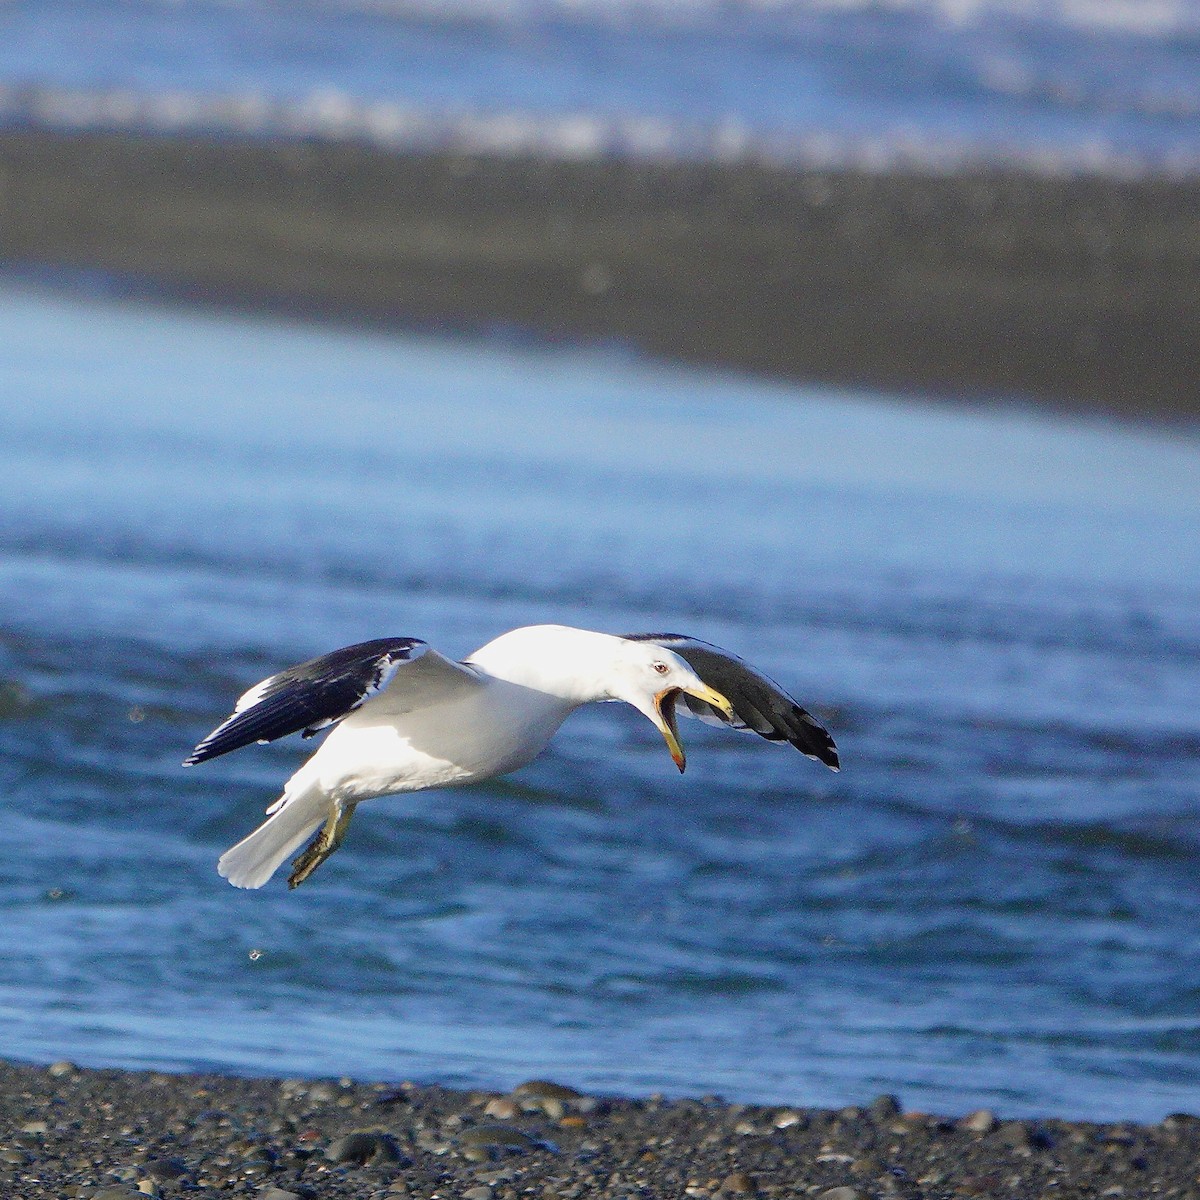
652,679
578,666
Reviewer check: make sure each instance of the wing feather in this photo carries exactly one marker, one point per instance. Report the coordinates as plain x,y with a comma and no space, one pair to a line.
759,704
319,693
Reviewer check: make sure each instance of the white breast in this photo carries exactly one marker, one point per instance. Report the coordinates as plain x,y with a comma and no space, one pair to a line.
487,732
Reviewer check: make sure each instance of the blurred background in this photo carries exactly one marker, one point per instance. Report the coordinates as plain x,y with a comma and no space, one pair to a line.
858,339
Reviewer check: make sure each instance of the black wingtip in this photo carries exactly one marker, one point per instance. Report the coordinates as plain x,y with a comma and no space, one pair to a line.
203,752
810,737
826,754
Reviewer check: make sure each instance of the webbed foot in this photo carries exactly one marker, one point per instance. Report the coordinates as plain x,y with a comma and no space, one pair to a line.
328,838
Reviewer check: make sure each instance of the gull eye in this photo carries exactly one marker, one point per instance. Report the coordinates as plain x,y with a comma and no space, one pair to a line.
661,667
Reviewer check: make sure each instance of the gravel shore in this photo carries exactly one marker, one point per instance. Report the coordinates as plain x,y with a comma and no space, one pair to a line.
1002,283
116,1135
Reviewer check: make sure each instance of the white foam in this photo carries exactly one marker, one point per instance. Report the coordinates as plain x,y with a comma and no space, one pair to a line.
333,115
1143,18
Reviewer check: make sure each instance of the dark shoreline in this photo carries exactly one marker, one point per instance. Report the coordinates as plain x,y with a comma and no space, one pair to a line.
998,284
118,1135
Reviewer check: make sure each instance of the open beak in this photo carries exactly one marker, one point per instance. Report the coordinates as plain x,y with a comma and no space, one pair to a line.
664,708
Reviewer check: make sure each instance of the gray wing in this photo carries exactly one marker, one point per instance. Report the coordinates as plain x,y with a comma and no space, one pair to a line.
759,704
321,692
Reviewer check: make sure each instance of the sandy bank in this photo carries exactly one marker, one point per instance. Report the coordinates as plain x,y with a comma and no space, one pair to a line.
1081,291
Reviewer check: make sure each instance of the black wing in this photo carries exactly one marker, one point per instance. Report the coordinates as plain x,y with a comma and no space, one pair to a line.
311,696
759,704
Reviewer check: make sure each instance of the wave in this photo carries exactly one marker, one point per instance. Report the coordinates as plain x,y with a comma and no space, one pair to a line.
330,114
1152,19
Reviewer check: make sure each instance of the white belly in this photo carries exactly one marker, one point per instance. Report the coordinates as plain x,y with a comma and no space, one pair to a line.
488,732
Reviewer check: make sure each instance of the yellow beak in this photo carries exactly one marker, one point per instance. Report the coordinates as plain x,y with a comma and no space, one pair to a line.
664,707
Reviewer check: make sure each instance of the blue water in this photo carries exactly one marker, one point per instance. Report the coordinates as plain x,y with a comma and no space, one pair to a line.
1065,84
997,613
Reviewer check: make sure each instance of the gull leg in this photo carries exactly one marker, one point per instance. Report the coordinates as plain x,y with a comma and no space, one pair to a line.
329,837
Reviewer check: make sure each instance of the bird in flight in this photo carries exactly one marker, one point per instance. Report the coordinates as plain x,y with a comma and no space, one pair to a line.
403,718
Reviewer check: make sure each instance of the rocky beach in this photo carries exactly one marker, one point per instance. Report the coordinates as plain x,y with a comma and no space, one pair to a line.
981,284
114,1135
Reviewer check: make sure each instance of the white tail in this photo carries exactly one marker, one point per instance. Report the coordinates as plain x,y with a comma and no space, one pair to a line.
256,858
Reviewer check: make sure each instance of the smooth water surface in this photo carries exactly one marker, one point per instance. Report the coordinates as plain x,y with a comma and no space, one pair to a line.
997,613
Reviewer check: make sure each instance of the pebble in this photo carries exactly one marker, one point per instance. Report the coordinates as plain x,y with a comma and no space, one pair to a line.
1016,1135
119,1192
885,1108
363,1148
502,1108
62,1068
495,1135
165,1169
841,1193
983,1120
867,1166
482,1192
1176,1121
551,1098
274,1193
543,1089
740,1184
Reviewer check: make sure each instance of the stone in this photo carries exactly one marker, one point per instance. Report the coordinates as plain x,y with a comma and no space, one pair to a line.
983,1120
495,1135
363,1148
543,1089
1016,1135
502,1108
482,1192
739,1184
61,1069
165,1169
868,1166
1179,1120
885,1108
840,1193
275,1193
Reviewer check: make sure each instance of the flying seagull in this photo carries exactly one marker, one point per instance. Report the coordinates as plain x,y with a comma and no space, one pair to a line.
404,718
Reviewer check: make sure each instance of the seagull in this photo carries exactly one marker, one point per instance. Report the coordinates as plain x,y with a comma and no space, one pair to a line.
403,718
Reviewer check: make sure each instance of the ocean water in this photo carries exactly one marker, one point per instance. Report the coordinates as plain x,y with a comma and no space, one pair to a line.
996,612
1109,85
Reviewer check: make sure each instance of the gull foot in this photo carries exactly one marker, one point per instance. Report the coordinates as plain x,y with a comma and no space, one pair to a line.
329,837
